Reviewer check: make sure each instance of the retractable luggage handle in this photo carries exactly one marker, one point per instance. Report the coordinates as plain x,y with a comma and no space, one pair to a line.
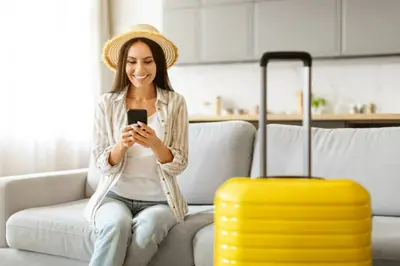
307,60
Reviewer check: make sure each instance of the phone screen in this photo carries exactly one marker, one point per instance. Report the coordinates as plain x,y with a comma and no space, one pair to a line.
137,115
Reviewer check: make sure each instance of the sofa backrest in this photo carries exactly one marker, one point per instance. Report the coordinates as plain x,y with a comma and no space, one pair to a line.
369,156
217,152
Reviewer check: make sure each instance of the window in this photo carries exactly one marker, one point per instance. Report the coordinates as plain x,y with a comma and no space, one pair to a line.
46,85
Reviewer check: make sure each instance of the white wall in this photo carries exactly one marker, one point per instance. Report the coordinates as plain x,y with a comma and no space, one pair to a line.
339,81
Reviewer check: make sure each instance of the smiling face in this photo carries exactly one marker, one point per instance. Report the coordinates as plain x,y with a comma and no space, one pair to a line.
140,65
141,62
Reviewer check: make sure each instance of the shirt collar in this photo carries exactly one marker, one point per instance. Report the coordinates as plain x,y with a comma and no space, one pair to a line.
162,95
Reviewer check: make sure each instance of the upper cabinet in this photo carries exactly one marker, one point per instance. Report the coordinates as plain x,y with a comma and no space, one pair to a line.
176,4
217,31
182,27
218,2
226,32
307,25
371,27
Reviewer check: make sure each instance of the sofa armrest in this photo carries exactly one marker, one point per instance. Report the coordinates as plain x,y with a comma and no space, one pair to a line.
36,190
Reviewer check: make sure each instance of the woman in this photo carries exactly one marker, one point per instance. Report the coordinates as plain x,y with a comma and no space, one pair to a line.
137,200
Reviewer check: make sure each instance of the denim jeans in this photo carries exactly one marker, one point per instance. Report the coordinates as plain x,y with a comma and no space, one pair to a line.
129,231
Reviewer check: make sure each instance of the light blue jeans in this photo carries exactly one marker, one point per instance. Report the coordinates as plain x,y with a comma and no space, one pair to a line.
129,231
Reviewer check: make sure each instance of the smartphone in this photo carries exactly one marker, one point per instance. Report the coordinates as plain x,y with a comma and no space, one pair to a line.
137,115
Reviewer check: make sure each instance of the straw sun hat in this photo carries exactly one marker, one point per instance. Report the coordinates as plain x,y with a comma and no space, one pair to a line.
112,47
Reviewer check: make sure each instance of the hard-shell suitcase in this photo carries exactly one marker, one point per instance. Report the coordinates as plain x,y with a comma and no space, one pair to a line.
291,220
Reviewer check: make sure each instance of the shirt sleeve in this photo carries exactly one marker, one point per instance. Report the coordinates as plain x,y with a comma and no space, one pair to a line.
101,146
179,144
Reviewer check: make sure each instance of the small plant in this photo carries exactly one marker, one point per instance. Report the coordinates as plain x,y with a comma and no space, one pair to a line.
318,102
318,105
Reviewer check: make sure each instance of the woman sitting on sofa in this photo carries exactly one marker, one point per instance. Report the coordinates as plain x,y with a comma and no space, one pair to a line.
138,199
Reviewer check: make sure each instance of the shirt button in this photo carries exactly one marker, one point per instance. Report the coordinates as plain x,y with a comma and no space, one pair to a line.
163,179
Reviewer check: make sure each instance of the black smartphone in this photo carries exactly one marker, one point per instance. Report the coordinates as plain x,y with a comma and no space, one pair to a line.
137,115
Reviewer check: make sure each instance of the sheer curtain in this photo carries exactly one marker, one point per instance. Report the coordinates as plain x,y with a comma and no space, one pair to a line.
50,78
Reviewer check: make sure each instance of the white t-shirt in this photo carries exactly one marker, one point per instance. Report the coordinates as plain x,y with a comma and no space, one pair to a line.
140,180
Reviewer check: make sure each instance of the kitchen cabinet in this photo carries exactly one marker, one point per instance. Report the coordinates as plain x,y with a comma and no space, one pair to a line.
308,25
176,4
226,33
182,26
218,2
222,31
371,27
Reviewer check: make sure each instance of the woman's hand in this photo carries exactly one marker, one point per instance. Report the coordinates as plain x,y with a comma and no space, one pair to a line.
127,138
145,136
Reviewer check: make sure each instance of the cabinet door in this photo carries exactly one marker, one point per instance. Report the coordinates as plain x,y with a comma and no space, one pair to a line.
217,2
308,25
173,4
182,27
371,27
226,33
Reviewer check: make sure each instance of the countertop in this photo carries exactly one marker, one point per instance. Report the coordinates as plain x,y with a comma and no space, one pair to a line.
283,117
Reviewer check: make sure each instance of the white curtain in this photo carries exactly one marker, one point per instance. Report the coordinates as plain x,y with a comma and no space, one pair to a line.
51,75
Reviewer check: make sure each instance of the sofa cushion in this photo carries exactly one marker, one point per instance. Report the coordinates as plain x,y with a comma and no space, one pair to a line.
369,156
386,238
211,145
61,230
217,152
15,257
385,242
203,246
57,230
177,248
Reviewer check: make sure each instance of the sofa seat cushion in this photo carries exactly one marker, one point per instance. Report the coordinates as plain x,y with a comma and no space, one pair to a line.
385,242
203,246
15,257
61,230
177,247
386,238
58,230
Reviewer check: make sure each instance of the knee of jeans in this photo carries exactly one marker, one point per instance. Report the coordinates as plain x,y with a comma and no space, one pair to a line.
149,231
118,227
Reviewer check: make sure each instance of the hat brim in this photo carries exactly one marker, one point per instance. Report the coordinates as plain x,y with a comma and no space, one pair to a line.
112,47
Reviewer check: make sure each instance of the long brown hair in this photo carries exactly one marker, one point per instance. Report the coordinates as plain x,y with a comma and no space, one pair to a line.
161,80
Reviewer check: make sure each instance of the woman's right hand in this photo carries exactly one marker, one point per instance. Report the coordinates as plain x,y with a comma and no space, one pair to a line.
118,152
126,141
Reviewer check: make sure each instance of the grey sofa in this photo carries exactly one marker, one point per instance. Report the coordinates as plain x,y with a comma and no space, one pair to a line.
41,219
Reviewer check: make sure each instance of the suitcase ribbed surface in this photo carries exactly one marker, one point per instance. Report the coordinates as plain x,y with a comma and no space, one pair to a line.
292,222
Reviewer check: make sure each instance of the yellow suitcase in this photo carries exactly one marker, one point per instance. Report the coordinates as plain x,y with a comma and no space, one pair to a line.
291,220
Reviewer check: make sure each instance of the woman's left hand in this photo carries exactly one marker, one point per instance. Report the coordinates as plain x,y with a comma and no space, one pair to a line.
145,135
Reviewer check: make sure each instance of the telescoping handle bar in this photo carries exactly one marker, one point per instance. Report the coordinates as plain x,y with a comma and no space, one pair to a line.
307,61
